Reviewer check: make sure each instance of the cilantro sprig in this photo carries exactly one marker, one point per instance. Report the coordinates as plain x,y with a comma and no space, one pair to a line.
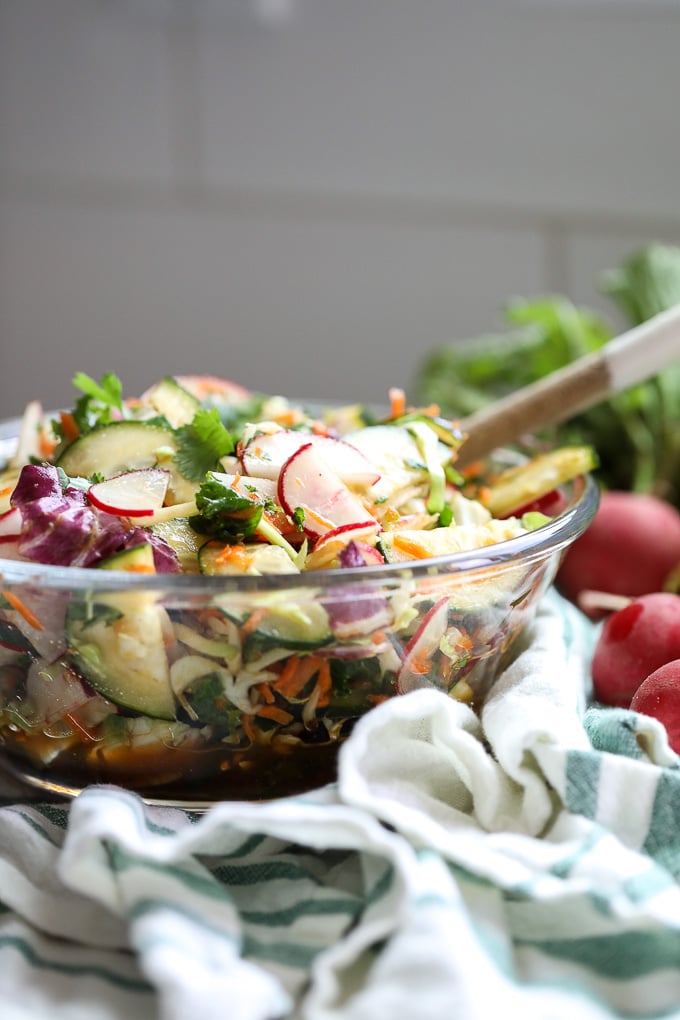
101,402
202,444
223,513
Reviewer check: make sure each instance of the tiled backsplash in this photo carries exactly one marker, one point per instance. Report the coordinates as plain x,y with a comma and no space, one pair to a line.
308,195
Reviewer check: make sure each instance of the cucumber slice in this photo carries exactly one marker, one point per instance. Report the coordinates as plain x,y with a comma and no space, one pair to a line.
122,655
138,559
170,399
300,628
117,447
182,538
123,446
256,558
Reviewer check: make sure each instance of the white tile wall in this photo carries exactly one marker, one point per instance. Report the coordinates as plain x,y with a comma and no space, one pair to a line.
335,308
307,194
84,92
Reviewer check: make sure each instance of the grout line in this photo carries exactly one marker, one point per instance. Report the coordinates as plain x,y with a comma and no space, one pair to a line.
186,195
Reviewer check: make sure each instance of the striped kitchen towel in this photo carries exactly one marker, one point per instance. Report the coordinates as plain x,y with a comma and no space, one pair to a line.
527,861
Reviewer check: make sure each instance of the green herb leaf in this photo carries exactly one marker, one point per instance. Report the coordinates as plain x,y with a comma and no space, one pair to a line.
223,513
101,403
298,518
203,442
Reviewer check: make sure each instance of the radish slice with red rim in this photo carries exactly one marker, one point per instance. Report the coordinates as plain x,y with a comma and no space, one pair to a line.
10,524
307,482
422,647
132,494
265,456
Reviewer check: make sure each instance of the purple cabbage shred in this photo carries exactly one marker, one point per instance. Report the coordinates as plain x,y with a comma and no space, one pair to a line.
62,528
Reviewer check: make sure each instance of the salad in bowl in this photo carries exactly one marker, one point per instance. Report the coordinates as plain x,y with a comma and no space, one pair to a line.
203,588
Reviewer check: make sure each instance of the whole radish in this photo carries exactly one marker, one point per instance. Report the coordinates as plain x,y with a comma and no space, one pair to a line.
634,642
630,548
659,696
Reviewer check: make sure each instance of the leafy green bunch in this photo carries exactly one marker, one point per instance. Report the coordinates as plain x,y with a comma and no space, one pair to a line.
636,433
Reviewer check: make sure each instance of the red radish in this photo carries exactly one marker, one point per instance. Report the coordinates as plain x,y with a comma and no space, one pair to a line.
630,548
255,488
633,643
331,545
306,481
10,524
552,504
347,533
132,494
372,557
265,456
421,647
659,697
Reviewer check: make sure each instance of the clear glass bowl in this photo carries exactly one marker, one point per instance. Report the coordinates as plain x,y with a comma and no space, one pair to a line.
217,688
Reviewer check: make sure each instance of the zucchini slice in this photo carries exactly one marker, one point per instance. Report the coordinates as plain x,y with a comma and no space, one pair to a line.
299,628
122,655
118,447
253,558
170,399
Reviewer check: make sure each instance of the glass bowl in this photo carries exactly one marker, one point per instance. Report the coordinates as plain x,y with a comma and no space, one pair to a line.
244,687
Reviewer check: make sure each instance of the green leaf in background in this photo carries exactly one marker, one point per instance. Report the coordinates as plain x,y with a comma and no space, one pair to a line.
637,433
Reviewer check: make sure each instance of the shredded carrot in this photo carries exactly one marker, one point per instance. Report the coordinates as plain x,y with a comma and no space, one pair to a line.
6,491
296,674
289,417
46,443
324,684
319,428
250,729
28,615
265,692
420,663
68,425
253,621
233,555
484,495
276,714
410,546
318,518
397,402
141,568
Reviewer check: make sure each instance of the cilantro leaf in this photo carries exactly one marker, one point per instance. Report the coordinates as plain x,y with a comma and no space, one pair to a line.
202,443
223,513
101,403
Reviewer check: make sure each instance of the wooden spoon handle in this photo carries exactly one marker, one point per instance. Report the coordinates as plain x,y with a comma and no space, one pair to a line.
631,358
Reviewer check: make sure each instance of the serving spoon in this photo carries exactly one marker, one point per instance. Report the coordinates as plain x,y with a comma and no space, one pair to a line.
630,358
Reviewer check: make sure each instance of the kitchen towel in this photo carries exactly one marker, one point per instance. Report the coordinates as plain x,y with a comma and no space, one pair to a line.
525,861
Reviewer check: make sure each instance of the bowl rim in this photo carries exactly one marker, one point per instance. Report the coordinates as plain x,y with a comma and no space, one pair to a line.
549,539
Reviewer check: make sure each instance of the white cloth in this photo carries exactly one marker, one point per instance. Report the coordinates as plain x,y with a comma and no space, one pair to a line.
527,862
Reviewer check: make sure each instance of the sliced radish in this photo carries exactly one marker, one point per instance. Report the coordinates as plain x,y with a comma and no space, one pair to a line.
334,541
265,456
248,485
306,481
10,524
132,494
372,557
345,533
422,647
